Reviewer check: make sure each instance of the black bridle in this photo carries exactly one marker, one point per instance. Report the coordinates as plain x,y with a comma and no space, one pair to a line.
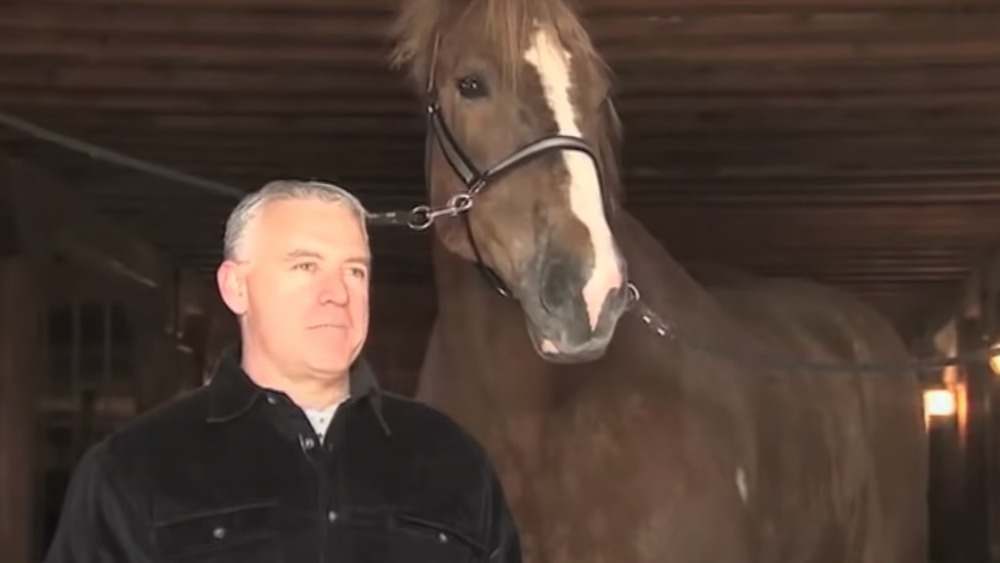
475,179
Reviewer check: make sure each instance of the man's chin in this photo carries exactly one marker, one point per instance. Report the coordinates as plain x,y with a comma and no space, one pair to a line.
329,367
332,361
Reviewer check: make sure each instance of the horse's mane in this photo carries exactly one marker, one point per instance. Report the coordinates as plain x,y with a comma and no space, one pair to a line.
508,26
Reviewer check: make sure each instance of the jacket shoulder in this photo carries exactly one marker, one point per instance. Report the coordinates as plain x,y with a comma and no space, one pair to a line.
422,423
177,415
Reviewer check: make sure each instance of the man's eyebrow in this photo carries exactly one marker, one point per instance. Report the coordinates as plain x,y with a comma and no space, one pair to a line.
302,253
365,261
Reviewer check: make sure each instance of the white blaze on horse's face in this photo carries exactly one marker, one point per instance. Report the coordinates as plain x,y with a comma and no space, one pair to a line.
552,62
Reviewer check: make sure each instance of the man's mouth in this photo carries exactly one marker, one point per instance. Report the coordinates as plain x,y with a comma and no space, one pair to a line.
329,325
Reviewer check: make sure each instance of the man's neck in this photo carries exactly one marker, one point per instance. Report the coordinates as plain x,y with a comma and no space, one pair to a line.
305,390
313,394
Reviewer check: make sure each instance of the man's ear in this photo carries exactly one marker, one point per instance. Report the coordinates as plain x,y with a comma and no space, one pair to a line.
232,286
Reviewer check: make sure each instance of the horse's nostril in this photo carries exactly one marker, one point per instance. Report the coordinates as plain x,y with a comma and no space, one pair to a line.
556,291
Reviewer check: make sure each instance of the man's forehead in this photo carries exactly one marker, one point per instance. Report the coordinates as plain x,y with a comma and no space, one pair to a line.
287,230
285,209
316,219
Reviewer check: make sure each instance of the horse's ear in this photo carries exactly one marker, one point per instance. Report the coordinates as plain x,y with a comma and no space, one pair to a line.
413,33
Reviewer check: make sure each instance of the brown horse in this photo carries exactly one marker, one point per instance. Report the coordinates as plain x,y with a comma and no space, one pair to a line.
616,443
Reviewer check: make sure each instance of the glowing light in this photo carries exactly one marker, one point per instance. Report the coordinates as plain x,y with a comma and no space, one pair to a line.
939,402
995,359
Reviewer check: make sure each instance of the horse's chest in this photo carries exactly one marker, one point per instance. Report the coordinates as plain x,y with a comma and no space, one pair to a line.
592,488
567,498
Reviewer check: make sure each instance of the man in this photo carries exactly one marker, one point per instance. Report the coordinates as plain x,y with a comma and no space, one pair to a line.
291,453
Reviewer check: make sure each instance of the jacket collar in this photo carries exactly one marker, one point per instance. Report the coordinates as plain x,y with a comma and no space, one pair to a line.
233,393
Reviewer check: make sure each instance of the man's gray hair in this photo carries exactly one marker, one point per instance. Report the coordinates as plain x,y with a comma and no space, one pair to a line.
249,207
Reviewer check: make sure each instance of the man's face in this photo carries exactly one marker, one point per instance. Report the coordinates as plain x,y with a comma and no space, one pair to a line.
304,278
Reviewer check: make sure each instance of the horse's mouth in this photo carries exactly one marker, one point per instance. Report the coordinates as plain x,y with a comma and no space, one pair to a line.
547,348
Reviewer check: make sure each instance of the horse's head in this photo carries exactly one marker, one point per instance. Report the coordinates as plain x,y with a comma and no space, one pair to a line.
519,117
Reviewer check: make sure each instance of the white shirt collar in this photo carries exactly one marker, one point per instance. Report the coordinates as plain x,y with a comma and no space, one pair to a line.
320,418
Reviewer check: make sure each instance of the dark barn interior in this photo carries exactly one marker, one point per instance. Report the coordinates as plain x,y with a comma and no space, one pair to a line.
853,142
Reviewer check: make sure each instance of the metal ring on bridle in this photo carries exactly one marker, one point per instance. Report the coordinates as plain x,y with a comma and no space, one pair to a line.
633,294
460,203
420,218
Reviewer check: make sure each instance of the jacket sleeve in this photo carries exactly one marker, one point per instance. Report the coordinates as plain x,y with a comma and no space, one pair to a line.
504,542
98,522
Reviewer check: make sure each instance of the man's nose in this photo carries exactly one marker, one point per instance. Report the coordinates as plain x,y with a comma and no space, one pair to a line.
334,290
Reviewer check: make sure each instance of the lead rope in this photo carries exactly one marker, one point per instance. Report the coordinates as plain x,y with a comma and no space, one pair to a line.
663,329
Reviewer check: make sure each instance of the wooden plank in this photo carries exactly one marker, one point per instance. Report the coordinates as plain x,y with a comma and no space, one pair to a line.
407,128
89,79
119,48
119,196
391,188
299,148
589,6
404,187
22,44
345,166
178,24
788,227
161,213
182,23
370,152
402,105
96,77
22,368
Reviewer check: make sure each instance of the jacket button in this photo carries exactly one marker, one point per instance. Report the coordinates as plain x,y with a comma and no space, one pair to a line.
308,443
219,533
442,537
331,516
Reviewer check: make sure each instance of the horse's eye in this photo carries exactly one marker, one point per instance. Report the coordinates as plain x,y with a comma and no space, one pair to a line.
472,86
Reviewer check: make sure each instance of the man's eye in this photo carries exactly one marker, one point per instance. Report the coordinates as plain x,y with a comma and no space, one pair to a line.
359,272
305,266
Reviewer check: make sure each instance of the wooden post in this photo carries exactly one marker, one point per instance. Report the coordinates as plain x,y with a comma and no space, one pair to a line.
22,365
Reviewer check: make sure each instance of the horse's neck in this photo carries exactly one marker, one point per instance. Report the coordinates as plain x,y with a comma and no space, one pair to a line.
484,334
663,283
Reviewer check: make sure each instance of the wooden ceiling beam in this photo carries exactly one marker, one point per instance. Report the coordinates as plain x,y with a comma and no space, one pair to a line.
402,102
171,22
120,48
786,228
761,120
649,141
641,178
345,25
590,7
94,77
122,190
753,81
646,152
402,105
640,194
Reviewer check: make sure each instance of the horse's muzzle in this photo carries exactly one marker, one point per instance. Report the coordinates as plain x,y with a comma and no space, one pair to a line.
559,321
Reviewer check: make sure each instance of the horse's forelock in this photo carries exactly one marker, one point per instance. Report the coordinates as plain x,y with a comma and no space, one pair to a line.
508,26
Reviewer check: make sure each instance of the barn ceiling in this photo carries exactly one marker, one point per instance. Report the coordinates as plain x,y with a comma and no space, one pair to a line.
850,141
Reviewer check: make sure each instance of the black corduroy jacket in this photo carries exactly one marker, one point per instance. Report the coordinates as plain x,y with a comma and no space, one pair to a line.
234,473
